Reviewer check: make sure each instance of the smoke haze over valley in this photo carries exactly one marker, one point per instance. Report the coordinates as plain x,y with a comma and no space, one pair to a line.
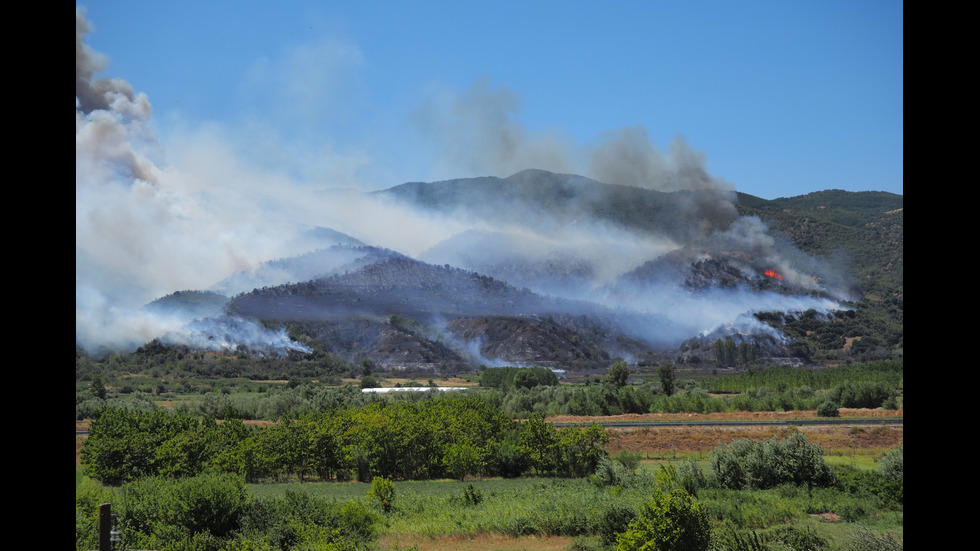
556,239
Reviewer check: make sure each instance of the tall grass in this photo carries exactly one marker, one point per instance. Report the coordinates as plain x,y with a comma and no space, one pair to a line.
579,507
553,507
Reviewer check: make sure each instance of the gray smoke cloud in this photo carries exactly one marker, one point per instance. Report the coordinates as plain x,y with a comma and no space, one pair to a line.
628,157
476,133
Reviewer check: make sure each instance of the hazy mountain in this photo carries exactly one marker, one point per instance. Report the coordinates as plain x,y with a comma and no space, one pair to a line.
561,270
549,202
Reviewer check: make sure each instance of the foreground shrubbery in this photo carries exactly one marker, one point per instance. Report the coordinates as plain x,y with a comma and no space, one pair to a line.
671,521
620,502
215,512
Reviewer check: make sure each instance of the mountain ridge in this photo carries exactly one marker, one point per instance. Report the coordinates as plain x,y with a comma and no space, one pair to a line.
552,307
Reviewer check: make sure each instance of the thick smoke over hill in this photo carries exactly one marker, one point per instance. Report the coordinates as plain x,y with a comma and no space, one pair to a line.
150,221
142,229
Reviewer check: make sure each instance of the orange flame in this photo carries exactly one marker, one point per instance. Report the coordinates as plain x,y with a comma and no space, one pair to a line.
772,273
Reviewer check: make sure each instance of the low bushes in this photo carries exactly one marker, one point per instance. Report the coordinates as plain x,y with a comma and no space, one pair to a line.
672,521
216,512
761,465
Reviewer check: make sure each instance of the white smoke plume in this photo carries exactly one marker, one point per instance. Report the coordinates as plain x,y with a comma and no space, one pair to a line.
142,229
232,333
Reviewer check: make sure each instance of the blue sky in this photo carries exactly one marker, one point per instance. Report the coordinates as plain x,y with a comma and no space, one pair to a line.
781,98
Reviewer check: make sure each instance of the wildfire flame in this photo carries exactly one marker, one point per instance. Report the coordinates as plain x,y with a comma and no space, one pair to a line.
772,273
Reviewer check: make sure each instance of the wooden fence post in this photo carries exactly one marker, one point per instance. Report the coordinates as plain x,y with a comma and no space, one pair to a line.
105,526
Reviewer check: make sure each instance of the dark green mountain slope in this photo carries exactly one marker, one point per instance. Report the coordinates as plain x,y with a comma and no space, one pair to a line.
547,200
864,233
865,230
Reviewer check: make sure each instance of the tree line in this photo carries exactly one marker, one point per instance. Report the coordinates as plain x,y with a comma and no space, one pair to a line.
445,437
521,392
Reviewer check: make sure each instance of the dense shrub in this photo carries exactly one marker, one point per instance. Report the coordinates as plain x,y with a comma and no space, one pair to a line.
828,409
89,495
204,508
609,474
749,464
383,493
672,521
299,520
472,496
519,377
892,465
884,487
629,460
862,395
614,520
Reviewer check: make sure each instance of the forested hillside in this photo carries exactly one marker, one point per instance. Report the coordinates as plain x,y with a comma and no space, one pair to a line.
348,304
863,234
862,231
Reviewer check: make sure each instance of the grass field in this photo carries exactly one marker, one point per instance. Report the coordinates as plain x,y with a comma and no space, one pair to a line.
545,514
554,514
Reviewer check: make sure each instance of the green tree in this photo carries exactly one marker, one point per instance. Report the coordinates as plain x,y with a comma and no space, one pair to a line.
98,387
525,379
673,521
367,366
463,458
383,491
828,409
619,374
583,447
725,352
123,445
540,441
666,372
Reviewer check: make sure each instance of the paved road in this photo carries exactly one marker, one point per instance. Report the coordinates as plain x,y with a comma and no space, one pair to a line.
797,422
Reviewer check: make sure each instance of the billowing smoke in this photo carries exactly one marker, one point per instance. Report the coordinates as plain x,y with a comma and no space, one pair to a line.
213,209
142,229
230,333
478,132
628,157
475,133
